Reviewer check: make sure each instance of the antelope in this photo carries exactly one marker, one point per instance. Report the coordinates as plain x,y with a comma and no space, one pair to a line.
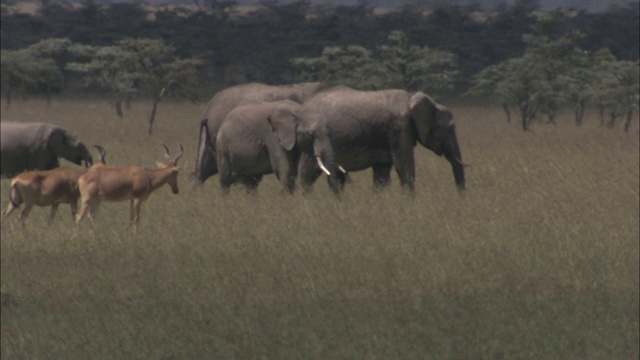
46,188
133,183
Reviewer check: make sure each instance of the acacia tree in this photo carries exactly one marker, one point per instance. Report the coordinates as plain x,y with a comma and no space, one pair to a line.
518,82
619,91
417,68
143,67
350,65
107,70
37,68
583,81
158,71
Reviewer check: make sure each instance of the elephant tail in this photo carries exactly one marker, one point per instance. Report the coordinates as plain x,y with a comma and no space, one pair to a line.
206,149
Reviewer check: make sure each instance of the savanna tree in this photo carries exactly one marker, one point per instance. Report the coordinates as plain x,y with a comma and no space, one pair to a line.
518,82
350,65
416,68
37,68
618,91
107,70
583,81
140,66
158,71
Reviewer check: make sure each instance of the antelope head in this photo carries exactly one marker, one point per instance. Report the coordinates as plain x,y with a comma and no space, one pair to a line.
172,166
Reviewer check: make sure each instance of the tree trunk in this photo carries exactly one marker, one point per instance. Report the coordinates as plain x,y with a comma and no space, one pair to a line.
119,108
505,107
156,101
525,122
154,107
627,124
48,92
8,98
525,112
612,121
580,108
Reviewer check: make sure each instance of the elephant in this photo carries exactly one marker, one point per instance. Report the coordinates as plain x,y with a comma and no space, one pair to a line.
37,146
379,130
228,99
263,138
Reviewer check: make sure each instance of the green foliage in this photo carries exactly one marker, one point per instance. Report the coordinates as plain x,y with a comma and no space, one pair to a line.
239,43
398,64
351,66
619,90
417,68
553,70
38,68
140,66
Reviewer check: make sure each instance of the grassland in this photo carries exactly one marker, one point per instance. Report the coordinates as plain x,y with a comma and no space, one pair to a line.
538,260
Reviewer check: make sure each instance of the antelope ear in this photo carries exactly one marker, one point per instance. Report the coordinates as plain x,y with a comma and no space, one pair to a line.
284,124
160,164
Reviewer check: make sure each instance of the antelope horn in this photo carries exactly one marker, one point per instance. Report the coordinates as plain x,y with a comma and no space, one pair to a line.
103,153
322,167
168,156
175,161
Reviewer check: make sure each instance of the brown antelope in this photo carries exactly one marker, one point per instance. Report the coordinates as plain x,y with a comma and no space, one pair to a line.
134,183
46,188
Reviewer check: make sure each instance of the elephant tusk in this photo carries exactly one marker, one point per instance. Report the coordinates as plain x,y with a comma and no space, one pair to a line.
322,167
343,170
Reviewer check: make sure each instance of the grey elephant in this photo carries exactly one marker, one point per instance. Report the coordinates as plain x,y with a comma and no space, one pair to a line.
379,130
37,146
228,99
268,137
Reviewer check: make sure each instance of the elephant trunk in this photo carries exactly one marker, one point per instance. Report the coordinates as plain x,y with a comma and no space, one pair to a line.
337,176
85,156
451,151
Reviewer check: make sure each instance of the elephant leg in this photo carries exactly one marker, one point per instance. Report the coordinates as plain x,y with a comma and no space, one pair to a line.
250,183
403,160
404,163
224,169
284,166
381,175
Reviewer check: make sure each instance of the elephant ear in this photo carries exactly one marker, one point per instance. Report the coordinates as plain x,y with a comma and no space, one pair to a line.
284,123
57,140
428,115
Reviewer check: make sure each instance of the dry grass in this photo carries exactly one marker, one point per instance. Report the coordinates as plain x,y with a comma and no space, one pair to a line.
539,259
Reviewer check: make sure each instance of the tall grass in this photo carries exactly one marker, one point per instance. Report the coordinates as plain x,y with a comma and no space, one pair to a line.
538,259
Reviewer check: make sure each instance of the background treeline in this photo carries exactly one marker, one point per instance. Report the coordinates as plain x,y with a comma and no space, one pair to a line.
194,51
